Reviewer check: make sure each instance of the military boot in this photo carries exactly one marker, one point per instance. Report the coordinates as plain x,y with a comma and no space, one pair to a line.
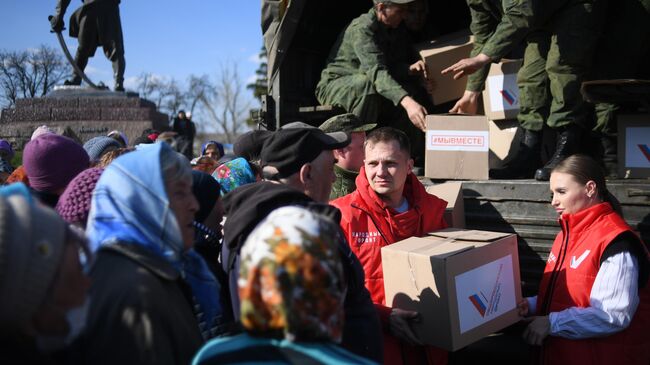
525,162
567,144
609,156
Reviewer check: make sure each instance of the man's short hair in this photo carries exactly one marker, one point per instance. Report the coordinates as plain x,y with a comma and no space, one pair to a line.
389,134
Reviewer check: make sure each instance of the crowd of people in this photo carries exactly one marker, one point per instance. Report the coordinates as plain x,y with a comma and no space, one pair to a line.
113,252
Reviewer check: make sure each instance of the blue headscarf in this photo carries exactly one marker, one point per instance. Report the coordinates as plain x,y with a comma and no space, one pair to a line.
130,206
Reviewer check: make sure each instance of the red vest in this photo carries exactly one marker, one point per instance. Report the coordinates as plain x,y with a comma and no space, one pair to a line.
369,224
569,275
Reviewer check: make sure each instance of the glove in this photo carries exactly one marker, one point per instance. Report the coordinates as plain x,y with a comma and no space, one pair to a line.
57,24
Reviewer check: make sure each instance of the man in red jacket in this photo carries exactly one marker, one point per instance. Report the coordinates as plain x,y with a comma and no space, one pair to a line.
390,205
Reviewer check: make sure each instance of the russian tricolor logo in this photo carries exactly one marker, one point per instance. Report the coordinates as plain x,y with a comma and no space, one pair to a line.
645,149
478,304
507,96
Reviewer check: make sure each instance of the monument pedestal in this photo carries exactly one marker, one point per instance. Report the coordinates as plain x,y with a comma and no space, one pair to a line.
87,112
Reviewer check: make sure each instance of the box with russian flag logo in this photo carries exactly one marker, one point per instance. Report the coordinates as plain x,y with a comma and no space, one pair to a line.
634,146
501,95
457,146
465,284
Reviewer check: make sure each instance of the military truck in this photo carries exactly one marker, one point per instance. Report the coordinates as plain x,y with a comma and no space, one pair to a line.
298,39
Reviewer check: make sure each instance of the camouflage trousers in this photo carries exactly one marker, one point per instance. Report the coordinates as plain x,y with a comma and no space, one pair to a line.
557,60
622,54
357,94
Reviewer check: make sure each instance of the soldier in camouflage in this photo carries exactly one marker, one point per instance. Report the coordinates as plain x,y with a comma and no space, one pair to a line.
350,158
95,23
373,69
561,37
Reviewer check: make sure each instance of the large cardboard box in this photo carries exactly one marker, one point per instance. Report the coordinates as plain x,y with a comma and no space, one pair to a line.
457,147
465,284
501,94
634,146
442,53
452,193
505,138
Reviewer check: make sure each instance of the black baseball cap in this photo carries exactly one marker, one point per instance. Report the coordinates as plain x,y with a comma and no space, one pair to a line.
288,149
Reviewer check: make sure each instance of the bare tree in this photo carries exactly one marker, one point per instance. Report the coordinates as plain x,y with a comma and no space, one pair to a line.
228,107
29,73
199,88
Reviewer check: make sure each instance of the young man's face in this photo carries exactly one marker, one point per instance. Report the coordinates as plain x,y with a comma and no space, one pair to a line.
322,177
351,157
386,167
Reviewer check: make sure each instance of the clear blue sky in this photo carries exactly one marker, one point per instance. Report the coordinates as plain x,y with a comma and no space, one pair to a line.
163,37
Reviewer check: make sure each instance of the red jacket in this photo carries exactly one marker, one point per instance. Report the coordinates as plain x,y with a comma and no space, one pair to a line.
369,224
572,266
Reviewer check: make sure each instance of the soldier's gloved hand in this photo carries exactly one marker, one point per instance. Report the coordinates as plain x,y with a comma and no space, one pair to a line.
56,21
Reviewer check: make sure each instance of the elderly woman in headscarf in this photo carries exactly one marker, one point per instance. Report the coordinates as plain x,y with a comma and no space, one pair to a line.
291,287
154,300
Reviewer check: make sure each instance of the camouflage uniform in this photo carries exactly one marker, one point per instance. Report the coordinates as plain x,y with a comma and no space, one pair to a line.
349,123
626,35
562,36
344,184
367,74
496,32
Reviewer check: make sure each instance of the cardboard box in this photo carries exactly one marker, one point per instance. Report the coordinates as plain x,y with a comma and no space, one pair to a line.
505,137
501,94
452,193
465,284
634,146
457,147
442,53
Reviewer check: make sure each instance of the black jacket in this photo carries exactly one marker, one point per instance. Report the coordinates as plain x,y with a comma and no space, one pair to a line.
248,205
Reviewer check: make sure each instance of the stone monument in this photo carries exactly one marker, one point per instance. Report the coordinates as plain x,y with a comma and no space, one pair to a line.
88,112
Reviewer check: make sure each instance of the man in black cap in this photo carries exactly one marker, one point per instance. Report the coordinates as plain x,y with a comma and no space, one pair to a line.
349,159
302,158
298,165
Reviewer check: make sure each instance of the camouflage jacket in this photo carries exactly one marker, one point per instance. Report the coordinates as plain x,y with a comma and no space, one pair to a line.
368,46
497,26
344,184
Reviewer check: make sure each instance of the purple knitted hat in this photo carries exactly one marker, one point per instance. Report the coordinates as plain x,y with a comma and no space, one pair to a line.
51,161
74,203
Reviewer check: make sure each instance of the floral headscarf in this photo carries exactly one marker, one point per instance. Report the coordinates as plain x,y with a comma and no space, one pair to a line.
291,278
234,174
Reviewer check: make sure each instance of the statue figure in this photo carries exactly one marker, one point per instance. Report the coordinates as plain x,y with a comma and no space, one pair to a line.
95,23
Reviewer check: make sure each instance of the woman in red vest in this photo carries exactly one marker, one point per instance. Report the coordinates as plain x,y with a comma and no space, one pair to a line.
593,304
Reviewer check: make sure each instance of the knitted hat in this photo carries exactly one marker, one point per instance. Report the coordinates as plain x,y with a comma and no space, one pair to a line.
51,161
32,239
97,146
41,131
74,203
6,148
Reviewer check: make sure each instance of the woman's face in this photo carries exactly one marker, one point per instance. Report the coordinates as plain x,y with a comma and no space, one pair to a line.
184,205
569,196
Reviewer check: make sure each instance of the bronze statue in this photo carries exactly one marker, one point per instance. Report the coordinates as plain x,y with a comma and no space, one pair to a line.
95,23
